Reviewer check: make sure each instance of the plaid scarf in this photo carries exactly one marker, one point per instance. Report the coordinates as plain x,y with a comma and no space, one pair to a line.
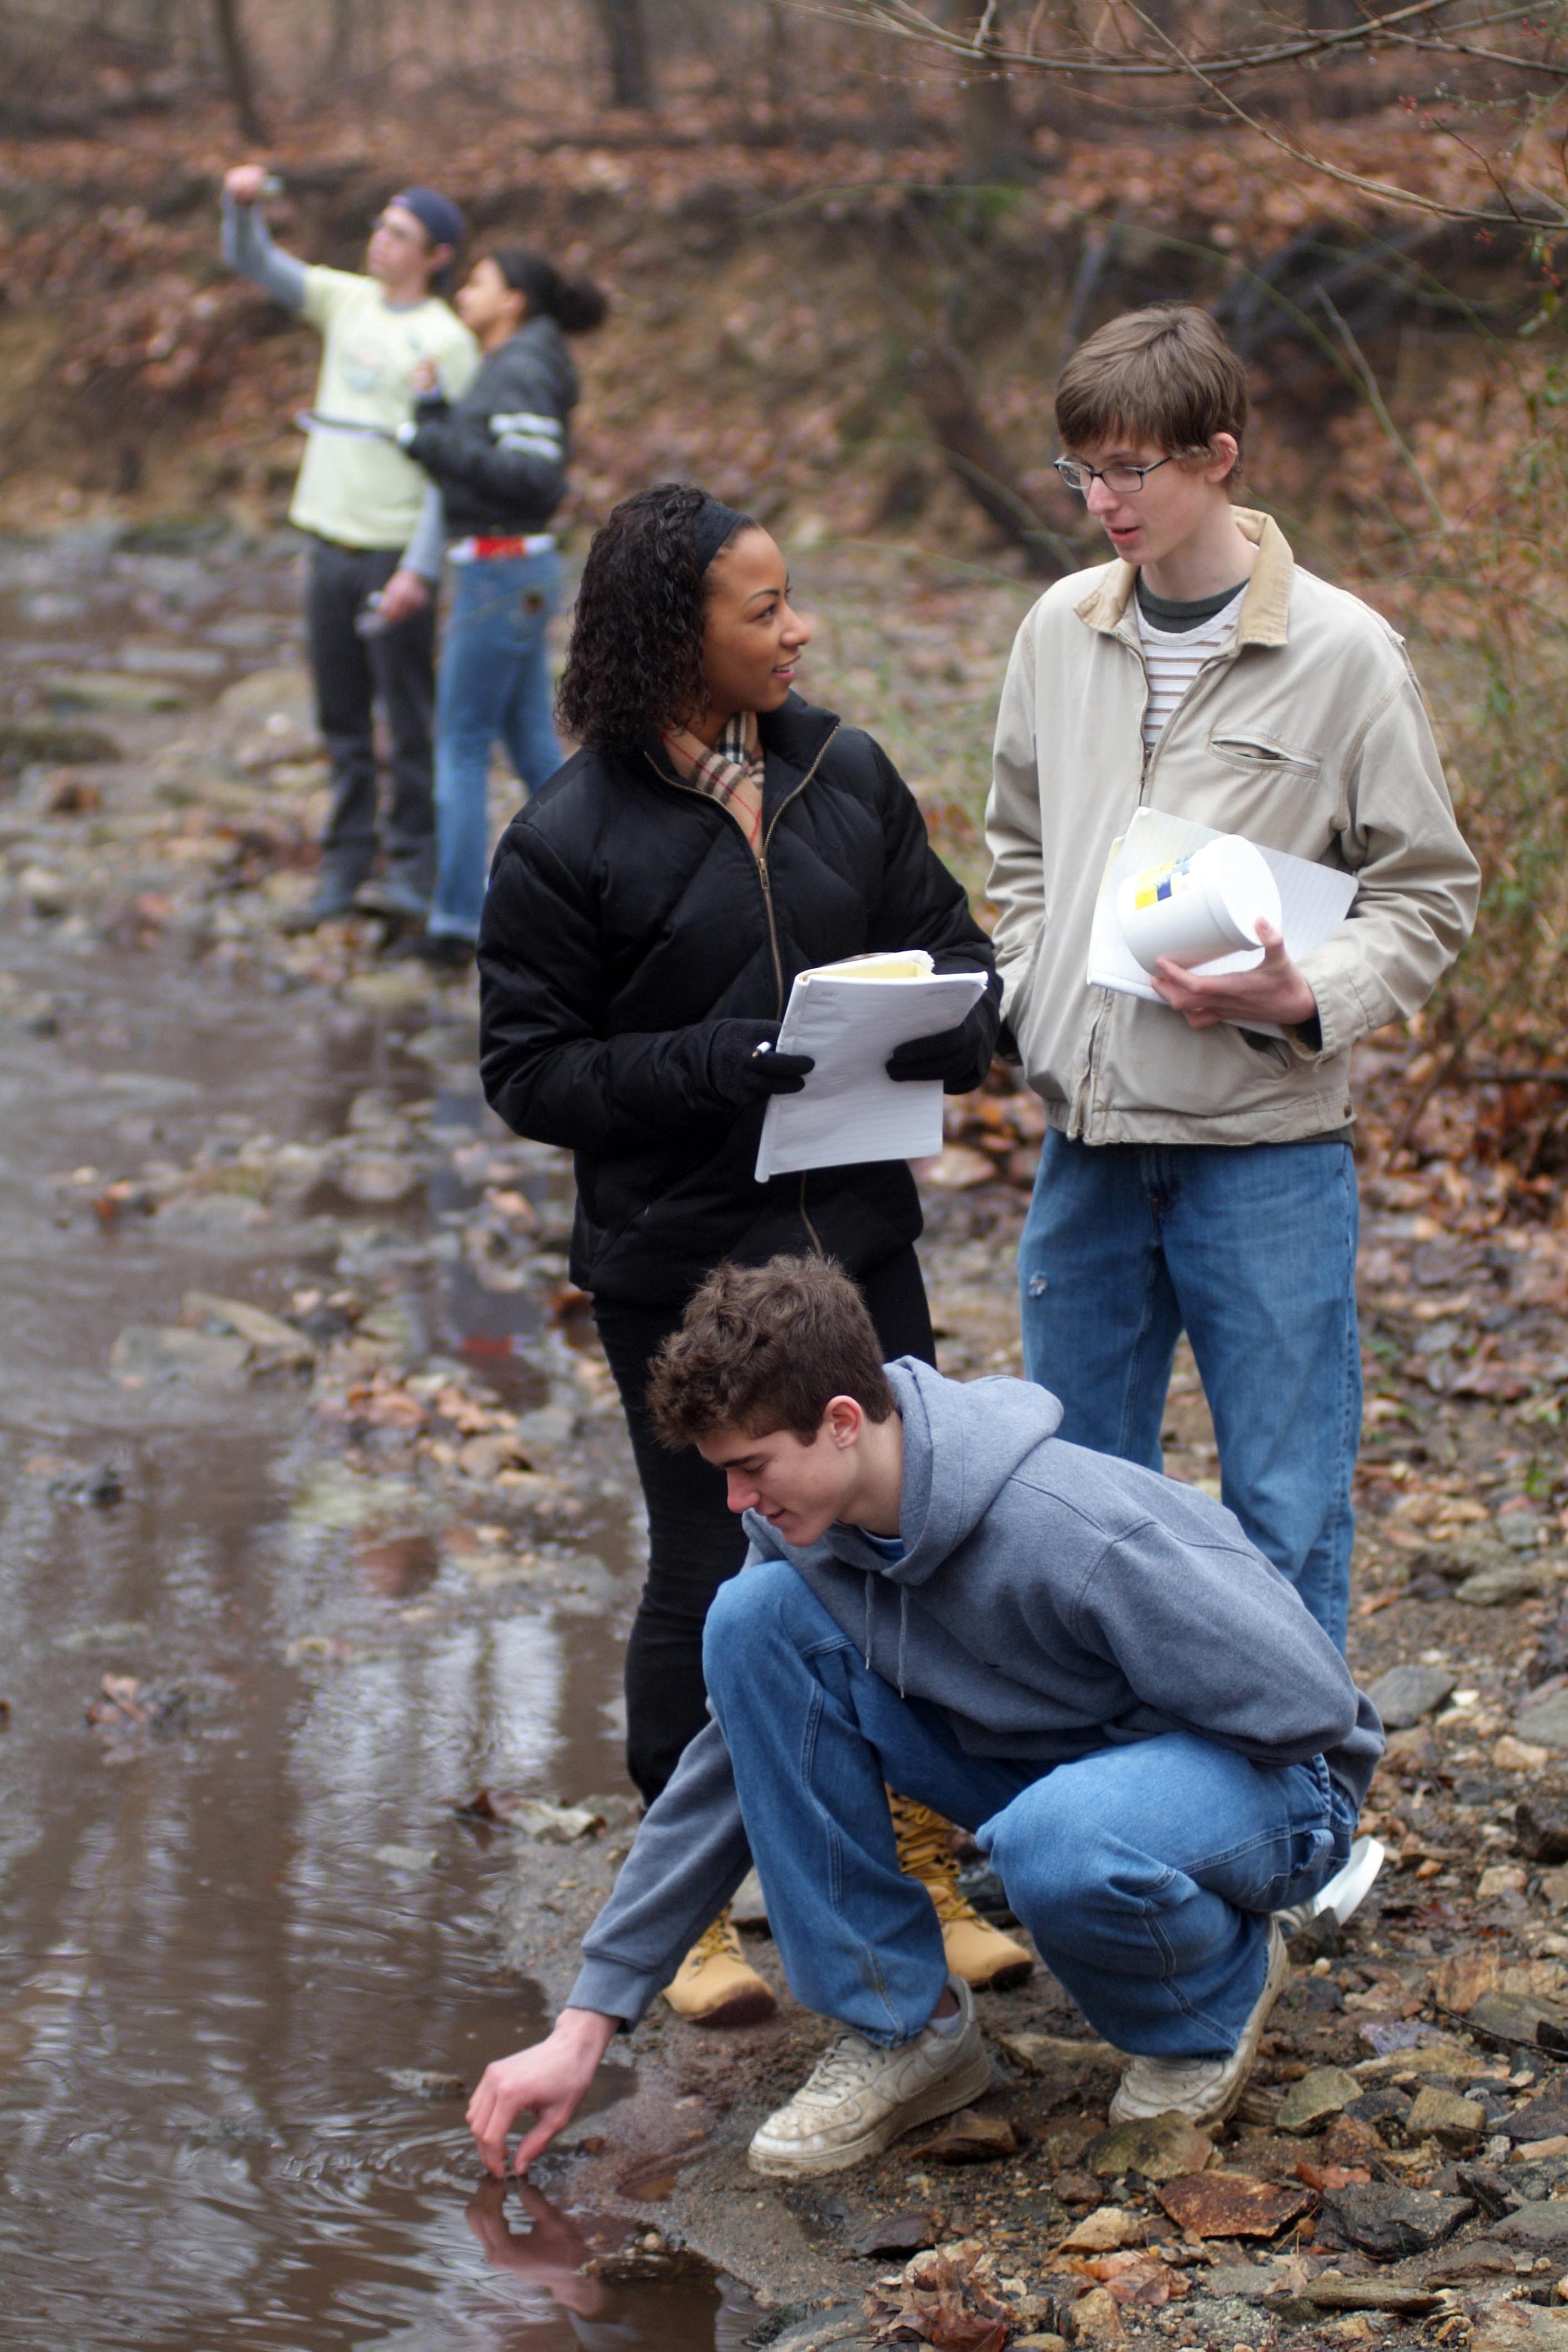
729,772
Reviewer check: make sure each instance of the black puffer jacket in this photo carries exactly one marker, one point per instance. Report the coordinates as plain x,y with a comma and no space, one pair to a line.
499,454
626,915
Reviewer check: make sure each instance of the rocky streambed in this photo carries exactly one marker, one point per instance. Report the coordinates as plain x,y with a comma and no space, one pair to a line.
319,1545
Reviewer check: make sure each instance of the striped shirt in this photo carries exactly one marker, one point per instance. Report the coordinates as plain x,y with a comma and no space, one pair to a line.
1173,659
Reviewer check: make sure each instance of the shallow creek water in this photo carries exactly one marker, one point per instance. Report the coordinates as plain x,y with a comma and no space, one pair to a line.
234,1952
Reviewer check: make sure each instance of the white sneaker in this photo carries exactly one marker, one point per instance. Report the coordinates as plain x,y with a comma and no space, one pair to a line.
857,2098
1204,2090
1345,1892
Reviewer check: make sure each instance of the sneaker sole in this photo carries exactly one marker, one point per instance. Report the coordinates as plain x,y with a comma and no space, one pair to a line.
943,2098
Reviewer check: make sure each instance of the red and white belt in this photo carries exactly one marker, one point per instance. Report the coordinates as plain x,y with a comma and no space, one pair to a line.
487,551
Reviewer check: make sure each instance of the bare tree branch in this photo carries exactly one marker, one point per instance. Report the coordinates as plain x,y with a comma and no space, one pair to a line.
1133,44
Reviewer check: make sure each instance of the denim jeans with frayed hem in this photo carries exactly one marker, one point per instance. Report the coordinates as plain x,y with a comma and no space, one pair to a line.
494,688
1144,1873
1249,1248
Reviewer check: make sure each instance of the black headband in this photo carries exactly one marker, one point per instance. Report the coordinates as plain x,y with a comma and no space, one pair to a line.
713,527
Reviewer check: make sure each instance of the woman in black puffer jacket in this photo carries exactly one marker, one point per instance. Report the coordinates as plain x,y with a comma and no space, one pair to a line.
646,917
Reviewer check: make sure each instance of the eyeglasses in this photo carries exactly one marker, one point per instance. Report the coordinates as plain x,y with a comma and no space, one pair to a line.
1122,479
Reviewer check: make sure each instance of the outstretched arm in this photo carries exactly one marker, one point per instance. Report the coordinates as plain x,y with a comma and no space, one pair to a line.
247,246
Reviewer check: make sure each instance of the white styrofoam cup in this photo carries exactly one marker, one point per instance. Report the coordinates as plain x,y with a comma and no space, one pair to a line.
1196,907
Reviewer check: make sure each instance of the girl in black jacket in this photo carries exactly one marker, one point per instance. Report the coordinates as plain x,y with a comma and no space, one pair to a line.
497,457
647,914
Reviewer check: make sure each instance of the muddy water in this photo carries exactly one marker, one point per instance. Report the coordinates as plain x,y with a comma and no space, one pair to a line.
246,1953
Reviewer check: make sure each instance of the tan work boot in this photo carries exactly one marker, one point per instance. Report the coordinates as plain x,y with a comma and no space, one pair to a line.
986,1960
716,1984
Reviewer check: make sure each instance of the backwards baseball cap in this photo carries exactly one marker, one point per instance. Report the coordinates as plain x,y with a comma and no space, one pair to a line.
438,216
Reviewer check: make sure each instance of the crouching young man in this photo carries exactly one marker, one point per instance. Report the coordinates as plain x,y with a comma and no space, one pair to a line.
1082,1662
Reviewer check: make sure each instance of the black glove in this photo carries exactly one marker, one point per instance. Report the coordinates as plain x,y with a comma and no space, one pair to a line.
743,1068
958,1057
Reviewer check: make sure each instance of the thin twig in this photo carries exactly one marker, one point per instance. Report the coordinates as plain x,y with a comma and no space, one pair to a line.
1379,407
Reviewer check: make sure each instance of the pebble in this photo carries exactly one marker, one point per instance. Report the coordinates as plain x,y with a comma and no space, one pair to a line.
1546,1725
1406,1693
1387,2221
1161,2150
969,2137
1233,2205
1497,1587
1455,2124
1096,2318
1326,2091
1541,1829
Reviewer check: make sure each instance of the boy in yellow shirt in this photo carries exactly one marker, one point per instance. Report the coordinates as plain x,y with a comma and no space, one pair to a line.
375,528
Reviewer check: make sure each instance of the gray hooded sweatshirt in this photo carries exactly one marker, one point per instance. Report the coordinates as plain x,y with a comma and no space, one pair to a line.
1052,1602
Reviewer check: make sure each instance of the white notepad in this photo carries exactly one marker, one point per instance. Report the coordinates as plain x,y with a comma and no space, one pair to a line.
848,1017
1315,901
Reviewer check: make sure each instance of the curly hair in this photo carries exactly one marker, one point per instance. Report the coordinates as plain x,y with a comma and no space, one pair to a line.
762,1348
635,662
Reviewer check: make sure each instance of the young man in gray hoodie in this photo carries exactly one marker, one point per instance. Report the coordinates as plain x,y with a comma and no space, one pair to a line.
1084,1662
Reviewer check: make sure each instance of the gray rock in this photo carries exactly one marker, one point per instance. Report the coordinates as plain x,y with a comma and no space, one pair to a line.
1543,2118
1512,2017
1541,1829
1496,1588
1388,2222
406,1857
1404,1694
422,2083
1161,2150
152,1353
1521,2328
1543,2226
1545,1725
1236,2282
1454,2123
1326,2091
843,2325
111,690
554,1824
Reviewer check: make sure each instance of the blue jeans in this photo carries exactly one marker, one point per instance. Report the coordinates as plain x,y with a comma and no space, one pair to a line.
494,687
1251,1249
1143,1873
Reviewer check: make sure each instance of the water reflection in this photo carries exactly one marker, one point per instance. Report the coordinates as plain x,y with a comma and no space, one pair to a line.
244,1960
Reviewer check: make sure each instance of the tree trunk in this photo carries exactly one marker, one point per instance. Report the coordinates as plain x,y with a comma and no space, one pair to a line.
941,384
631,69
995,143
236,71
340,43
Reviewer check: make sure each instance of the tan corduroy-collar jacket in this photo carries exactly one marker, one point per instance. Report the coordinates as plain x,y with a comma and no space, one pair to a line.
1306,733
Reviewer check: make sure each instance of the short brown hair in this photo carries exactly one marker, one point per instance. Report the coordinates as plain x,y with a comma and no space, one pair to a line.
763,1347
1166,375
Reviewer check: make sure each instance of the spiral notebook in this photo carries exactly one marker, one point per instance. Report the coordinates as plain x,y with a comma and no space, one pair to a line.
848,1017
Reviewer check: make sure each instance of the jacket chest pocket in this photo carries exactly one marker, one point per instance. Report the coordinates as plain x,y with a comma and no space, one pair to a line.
1250,751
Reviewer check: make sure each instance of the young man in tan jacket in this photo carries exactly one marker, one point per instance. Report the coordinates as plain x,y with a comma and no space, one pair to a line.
1197,1174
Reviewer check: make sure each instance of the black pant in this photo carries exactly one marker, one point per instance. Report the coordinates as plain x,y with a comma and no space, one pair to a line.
351,674
695,1540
